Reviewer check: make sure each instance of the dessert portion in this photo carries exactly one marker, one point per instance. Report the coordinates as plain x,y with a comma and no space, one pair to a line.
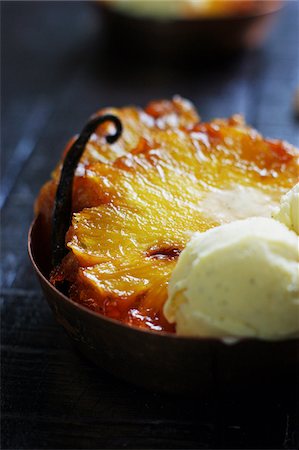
137,202
239,279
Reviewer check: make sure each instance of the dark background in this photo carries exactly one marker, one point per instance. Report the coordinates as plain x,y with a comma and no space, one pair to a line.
55,73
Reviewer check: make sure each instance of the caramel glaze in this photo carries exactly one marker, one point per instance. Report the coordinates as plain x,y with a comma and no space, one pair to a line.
137,202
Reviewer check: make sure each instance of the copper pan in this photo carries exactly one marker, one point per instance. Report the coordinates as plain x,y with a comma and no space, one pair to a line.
163,361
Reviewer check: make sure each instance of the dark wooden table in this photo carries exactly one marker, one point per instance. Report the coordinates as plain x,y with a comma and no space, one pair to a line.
55,73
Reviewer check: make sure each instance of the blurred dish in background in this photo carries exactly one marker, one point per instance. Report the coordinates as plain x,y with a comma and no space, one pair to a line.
188,9
174,28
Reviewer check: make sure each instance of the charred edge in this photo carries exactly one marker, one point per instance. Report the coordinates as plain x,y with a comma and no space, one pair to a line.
63,200
165,252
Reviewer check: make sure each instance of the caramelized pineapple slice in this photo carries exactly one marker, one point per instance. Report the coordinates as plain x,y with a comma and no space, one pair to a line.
136,122
126,275
123,251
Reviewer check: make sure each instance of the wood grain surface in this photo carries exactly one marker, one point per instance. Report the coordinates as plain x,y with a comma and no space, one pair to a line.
56,71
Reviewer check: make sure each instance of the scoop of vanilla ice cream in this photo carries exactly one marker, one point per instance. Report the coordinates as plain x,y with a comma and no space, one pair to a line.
239,279
288,211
